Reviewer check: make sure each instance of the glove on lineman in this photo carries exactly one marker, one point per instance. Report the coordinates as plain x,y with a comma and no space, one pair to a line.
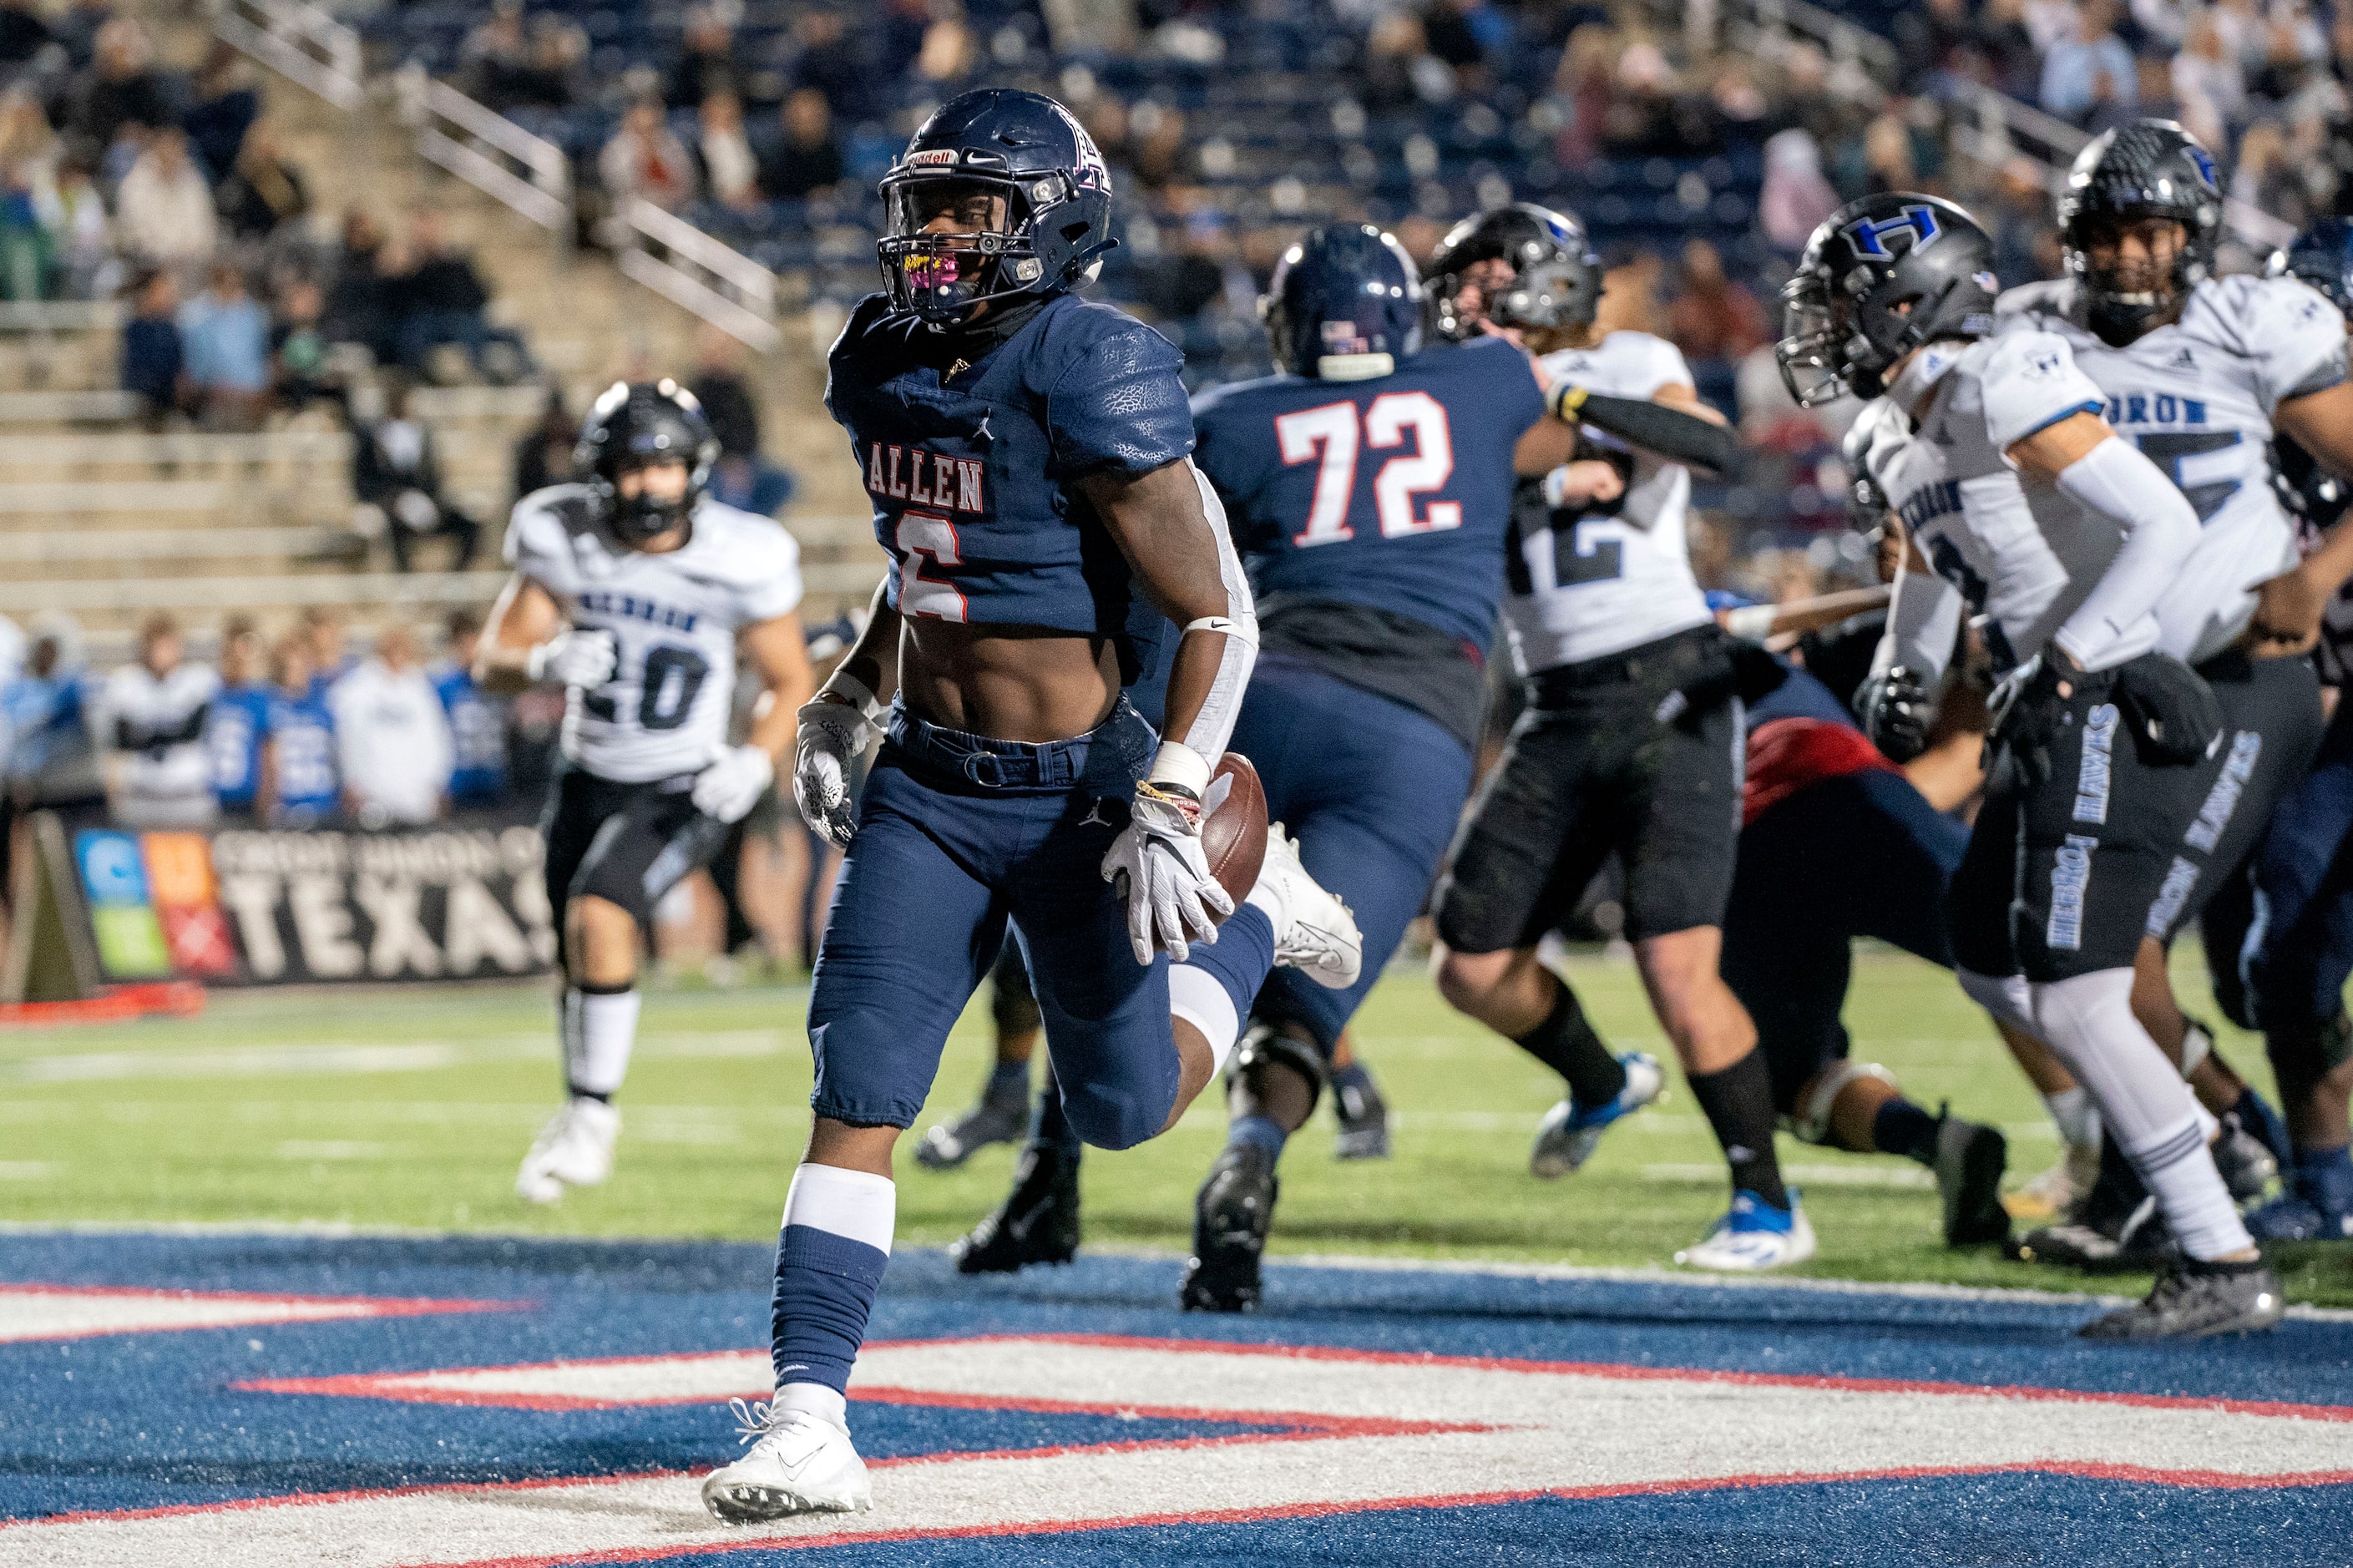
576,658
1896,710
831,734
730,787
2173,710
1157,865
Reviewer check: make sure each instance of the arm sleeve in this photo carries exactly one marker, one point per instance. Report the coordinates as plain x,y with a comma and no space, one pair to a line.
2030,381
1924,619
1213,726
2115,620
1121,404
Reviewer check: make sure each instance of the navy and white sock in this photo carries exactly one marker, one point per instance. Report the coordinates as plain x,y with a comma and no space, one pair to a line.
830,1256
1214,987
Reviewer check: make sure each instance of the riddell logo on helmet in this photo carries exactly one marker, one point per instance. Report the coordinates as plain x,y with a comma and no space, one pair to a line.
931,158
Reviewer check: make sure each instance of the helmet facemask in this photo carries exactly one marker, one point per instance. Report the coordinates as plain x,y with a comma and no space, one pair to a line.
1812,351
956,242
644,516
2150,271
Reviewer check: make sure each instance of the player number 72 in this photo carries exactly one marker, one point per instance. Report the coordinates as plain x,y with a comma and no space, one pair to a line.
1329,434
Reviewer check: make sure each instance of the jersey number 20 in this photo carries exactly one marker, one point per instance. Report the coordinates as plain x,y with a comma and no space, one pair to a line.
666,690
1329,437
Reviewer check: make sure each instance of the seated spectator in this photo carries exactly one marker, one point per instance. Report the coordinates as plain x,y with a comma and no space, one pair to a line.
392,737
359,305
152,717
263,190
826,58
543,453
807,160
48,760
299,784
397,476
2209,83
477,722
298,348
2073,66
152,361
225,334
706,62
121,89
163,211
1796,198
77,28
439,298
559,55
495,58
1713,316
322,640
950,51
22,33
225,109
85,247
728,169
27,254
239,717
645,162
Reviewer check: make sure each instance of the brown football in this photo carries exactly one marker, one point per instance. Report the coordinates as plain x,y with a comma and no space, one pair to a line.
1233,825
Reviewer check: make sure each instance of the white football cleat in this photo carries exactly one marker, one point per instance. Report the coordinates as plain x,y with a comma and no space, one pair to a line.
1316,934
574,1149
1570,1132
799,1463
1753,1237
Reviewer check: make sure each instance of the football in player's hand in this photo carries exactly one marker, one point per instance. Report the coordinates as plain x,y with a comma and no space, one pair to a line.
1233,825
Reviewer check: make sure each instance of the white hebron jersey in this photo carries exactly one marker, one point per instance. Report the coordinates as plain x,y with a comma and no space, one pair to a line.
1622,580
2017,554
673,619
2197,396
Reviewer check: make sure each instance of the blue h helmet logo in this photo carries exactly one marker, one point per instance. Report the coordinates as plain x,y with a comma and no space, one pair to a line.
1869,238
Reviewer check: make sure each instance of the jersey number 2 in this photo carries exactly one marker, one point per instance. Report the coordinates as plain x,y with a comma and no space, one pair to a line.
922,534
1329,437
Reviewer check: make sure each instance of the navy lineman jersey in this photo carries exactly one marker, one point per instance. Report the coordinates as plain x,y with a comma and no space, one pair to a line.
972,466
1390,497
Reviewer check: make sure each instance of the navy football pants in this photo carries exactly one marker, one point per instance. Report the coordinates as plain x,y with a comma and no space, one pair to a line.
957,836
2301,950
1861,854
1371,791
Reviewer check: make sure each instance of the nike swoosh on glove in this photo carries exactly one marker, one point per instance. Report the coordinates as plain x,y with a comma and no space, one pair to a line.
576,658
1158,867
831,734
729,788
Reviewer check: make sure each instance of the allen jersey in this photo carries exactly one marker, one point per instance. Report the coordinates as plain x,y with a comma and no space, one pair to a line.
2015,555
1584,585
2197,396
1394,494
674,619
973,465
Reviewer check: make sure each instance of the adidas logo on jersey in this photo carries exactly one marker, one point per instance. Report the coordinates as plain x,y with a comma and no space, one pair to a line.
2182,359
923,478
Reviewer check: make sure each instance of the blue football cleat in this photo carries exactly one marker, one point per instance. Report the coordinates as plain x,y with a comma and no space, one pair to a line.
2300,1214
1753,1237
1571,1132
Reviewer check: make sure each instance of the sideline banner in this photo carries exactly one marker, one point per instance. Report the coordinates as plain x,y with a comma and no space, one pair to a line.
246,907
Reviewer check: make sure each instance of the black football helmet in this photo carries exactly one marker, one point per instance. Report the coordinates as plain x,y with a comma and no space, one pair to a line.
1557,275
1880,278
638,422
1345,304
1020,146
2321,255
2151,169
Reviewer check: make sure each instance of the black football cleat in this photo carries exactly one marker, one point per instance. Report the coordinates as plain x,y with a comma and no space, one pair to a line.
1971,1160
1230,1218
1037,1222
2194,1300
1363,1117
2115,1228
2247,1164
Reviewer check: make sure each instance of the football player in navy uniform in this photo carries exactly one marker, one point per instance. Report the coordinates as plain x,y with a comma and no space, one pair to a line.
634,589
1027,455
1369,487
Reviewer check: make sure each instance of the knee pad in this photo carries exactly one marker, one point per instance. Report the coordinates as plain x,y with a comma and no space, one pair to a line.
1811,1122
1263,1044
2006,996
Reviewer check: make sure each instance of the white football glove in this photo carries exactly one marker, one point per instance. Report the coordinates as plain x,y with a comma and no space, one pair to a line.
730,787
576,658
831,734
1158,867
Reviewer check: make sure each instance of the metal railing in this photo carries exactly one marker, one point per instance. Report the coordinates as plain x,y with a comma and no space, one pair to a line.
491,153
300,41
692,269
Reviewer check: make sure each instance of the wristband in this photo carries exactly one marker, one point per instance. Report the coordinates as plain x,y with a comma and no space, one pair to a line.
1182,766
1752,622
1565,399
848,692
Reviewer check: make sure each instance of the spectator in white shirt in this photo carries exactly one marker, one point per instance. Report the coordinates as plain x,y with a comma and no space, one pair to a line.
163,212
151,724
730,170
392,737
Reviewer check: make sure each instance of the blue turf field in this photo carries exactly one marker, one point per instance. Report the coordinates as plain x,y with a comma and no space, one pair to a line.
108,1412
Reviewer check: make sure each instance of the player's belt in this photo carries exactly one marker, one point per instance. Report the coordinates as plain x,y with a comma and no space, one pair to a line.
1675,661
1011,764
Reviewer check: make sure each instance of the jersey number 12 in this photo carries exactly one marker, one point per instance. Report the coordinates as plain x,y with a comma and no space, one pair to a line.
1329,436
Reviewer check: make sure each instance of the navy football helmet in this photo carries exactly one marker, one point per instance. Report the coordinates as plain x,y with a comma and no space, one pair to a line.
639,422
1880,278
1556,273
2321,255
2150,169
1345,304
1028,191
